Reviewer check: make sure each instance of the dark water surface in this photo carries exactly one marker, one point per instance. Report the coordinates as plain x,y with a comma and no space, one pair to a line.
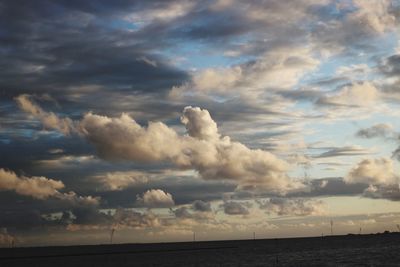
353,250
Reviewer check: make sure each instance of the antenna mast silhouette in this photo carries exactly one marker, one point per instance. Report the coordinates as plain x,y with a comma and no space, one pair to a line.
112,235
194,236
331,227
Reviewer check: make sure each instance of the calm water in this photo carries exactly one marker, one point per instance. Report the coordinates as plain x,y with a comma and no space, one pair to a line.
365,250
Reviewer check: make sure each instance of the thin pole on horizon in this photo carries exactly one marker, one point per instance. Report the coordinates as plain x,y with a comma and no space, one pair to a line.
112,235
398,227
194,236
331,227
254,235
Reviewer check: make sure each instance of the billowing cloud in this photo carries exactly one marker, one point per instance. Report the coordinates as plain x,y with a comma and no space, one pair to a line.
156,198
199,124
292,207
379,171
214,157
42,188
124,139
203,149
37,187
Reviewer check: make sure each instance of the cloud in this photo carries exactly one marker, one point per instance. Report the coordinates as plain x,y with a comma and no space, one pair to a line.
124,218
235,208
75,200
354,95
182,212
379,130
384,131
252,78
198,210
119,219
391,192
43,188
156,198
48,119
360,23
199,124
214,157
292,207
202,206
377,171
124,139
36,187
334,186
163,12
390,66
191,216
344,151
373,15
117,181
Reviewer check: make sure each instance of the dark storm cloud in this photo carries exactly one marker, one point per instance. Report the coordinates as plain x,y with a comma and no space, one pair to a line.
55,46
213,26
21,220
21,153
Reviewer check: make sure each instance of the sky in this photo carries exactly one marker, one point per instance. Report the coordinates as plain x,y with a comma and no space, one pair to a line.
158,119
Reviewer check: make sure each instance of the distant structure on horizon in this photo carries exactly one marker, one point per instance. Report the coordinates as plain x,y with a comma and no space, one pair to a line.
331,227
112,235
